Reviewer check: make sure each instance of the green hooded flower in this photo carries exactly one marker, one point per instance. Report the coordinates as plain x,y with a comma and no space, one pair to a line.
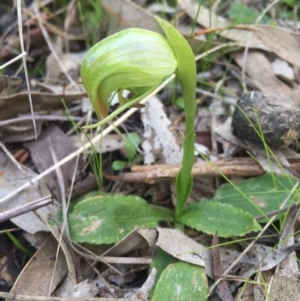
133,59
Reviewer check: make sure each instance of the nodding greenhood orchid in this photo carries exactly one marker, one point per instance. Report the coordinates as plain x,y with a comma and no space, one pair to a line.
139,60
133,59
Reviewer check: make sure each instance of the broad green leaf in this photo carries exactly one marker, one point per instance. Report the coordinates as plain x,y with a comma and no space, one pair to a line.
160,261
181,281
74,201
109,218
211,217
258,195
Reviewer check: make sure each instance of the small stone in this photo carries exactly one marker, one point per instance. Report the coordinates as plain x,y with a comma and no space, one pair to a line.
273,115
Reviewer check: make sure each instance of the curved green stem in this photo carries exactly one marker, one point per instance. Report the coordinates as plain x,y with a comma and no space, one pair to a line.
186,73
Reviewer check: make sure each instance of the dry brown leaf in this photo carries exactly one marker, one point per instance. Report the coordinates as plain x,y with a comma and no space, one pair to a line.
62,62
126,14
20,132
149,236
284,288
69,254
109,143
284,43
259,69
42,158
36,277
131,242
16,104
283,70
11,179
180,246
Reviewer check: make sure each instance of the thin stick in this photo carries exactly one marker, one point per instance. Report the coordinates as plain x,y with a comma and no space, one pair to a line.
37,118
19,10
88,145
21,55
8,214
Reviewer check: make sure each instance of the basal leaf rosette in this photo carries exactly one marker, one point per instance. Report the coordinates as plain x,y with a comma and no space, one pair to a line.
134,59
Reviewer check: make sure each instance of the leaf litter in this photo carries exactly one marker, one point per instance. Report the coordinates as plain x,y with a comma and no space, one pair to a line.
274,68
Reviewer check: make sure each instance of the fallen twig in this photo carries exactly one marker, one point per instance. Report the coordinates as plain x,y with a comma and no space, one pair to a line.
8,214
222,287
242,167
